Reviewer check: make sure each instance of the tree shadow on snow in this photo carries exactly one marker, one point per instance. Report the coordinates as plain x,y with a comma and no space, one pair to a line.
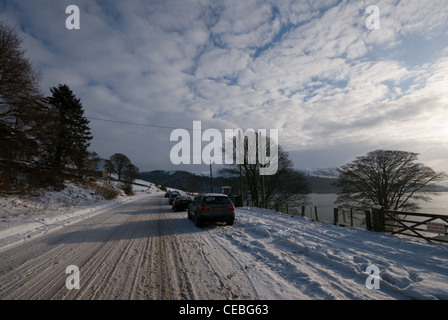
147,226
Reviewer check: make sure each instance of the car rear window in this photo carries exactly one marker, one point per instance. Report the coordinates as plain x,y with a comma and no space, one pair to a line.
217,200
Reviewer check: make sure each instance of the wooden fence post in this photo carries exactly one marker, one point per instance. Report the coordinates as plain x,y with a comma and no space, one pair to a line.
351,217
335,215
378,218
368,220
375,219
303,211
315,212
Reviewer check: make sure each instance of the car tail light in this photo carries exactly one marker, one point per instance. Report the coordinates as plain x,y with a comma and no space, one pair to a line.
232,208
177,202
204,208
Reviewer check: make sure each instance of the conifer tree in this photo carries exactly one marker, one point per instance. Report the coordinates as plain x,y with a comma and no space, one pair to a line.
71,132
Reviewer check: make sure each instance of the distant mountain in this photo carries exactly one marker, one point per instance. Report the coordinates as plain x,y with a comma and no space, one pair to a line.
188,181
331,173
443,184
321,180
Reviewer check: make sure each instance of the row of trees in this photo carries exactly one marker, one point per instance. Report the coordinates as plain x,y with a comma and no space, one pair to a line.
40,137
392,179
43,140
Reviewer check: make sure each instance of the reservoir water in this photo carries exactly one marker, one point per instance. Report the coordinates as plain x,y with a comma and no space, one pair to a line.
325,205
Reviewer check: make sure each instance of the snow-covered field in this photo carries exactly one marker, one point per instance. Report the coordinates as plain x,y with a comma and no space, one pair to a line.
284,257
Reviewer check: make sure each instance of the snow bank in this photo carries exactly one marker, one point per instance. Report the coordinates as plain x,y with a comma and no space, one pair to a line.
296,258
23,217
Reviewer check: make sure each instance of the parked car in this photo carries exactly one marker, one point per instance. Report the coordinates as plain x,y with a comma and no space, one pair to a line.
173,195
167,194
212,207
181,203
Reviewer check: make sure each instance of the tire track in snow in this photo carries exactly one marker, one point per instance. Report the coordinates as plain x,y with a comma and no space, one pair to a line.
141,250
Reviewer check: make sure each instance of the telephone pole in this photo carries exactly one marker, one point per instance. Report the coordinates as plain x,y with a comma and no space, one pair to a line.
211,176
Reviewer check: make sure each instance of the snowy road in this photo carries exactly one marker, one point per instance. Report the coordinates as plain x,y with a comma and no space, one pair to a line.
141,250
144,250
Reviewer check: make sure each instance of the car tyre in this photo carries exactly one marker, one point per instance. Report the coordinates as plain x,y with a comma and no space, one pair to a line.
197,221
230,222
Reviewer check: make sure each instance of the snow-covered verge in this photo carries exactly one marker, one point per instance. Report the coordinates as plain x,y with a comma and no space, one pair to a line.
23,217
296,258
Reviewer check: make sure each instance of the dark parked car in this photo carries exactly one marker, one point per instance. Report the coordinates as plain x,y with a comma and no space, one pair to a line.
212,207
173,195
181,203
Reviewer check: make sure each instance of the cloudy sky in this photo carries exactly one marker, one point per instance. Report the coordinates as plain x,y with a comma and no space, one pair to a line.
334,86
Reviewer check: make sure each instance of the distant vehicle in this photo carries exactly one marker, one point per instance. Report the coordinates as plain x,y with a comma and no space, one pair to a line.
181,203
227,190
215,207
167,194
173,195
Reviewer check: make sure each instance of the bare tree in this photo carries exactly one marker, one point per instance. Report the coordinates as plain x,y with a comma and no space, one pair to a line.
130,173
389,178
18,80
20,109
117,164
285,186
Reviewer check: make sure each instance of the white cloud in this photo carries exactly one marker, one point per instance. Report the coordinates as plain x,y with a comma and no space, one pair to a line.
308,68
